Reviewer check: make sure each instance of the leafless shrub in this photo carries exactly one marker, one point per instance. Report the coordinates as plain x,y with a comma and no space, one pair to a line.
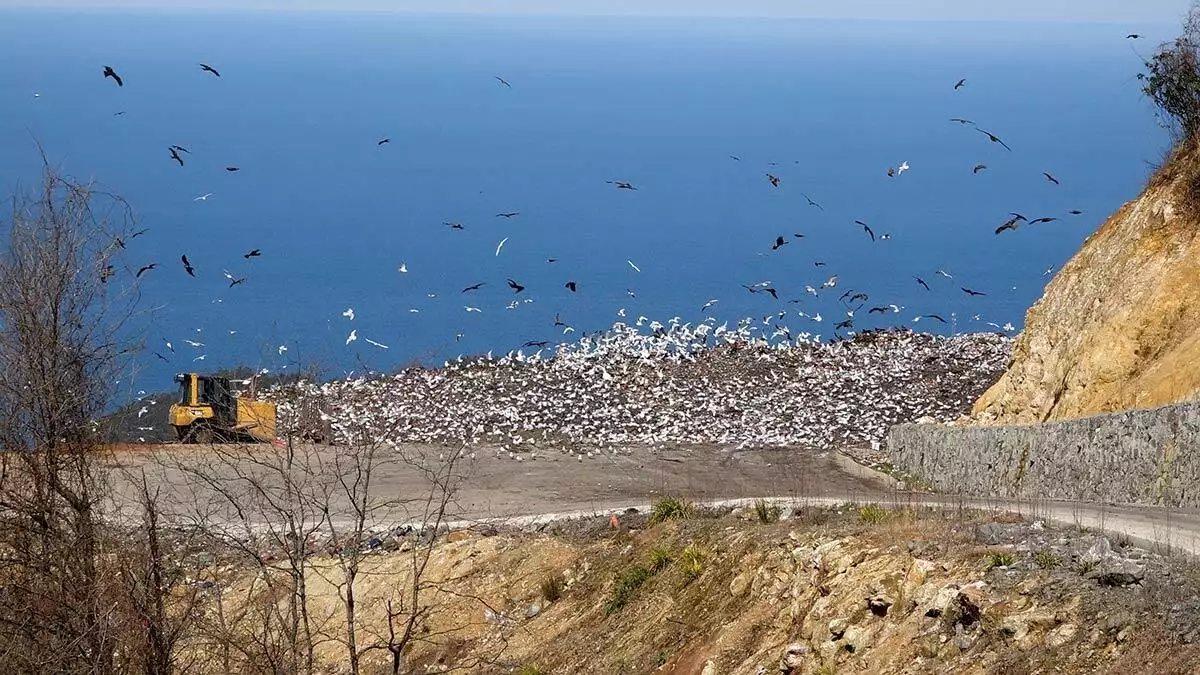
81,590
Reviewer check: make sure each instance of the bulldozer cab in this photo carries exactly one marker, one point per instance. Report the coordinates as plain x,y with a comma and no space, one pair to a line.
207,411
204,390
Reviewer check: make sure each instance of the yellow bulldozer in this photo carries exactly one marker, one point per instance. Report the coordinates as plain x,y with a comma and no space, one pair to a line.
208,412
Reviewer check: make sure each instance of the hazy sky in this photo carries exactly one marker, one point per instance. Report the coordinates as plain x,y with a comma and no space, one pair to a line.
1118,11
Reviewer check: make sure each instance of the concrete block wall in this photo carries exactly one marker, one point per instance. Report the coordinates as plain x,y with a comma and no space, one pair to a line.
1147,457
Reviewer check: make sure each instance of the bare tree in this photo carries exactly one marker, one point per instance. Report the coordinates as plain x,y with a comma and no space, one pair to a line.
63,304
294,514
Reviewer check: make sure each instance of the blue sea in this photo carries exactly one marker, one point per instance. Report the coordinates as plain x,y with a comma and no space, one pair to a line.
826,106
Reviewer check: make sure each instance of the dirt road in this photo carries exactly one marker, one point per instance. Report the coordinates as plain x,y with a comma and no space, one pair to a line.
498,487
554,486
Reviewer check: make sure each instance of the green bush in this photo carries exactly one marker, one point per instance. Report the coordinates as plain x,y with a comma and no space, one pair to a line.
532,669
1172,80
671,508
872,514
1000,560
1047,559
767,513
691,562
660,557
625,587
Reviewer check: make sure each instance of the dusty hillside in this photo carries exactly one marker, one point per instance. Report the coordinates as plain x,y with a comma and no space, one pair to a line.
1119,326
820,591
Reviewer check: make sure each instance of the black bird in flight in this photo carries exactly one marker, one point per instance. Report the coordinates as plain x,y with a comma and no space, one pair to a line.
994,138
1050,178
935,317
162,357
454,226
187,266
978,168
621,185
847,324
865,227
735,158
175,156
922,282
384,140
773,179
570,286
540,344
961,121
1010,224
772,291
811,202
551,260
139,233
118,113
231,169
235,282
109,72
878,310
1133,36
209,69
1075,212
474,287
971,292
252,254
1042,220
502,81
779,241
145,269
797,235
517,288
510,214
181,149
959,85
819,263
558,320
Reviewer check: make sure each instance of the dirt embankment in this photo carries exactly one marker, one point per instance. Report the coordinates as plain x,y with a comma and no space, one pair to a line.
820,591
1119,326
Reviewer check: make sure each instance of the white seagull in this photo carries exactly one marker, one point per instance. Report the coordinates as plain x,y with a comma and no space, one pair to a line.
902,168
500,245
635,267
352,336
403,268
349,313
370,341
203,198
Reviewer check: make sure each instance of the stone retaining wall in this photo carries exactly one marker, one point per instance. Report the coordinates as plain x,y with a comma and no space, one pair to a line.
1135,457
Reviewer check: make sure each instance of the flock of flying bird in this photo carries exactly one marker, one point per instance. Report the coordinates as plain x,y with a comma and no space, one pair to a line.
679,381
853,300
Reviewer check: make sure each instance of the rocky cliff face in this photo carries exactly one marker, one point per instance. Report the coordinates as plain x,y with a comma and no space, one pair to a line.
1119,326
